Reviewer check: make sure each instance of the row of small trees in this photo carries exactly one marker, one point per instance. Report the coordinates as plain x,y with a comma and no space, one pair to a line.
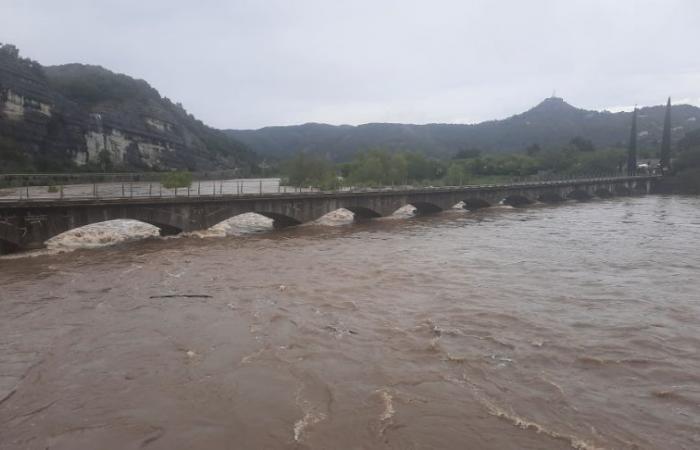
379,167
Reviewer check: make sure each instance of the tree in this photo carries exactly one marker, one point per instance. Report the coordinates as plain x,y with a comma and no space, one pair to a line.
420,168
309,170
665,154
687,166
456,174
601,161
632,148
467,153
582,145
533,150
10,50
378,167
104,160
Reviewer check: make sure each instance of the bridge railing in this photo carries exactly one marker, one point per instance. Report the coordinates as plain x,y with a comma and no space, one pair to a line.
8,180
253,187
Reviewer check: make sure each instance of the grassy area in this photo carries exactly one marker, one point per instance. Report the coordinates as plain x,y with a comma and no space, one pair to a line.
173,180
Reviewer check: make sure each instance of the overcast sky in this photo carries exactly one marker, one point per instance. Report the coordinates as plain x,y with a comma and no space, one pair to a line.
249,64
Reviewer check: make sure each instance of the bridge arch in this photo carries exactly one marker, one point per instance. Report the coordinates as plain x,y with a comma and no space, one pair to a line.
579,194
425,208
279,220
164,228
362,212
473,204
516,200
550,197
603,193
622,190
36,236
104,233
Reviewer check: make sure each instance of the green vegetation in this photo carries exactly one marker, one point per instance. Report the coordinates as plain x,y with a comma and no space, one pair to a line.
52,189
308,170
177,179
686,167
379,167
11,155
86,98
93,84
665,154
553,124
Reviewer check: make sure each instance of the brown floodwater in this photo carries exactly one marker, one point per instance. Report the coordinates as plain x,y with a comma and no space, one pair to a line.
574,326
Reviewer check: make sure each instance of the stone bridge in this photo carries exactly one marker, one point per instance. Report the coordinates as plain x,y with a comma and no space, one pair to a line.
28,224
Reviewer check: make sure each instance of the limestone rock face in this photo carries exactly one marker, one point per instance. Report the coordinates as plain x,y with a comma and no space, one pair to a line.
70,116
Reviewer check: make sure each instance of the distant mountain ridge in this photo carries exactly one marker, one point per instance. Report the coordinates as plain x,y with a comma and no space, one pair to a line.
77,116
552,123
74,115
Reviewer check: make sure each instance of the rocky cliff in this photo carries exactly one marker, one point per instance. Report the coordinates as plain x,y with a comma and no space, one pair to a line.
80,116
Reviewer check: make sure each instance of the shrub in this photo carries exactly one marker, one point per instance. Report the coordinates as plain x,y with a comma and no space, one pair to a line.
177,179
53,189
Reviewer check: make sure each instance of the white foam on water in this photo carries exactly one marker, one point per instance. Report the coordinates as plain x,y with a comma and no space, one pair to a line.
574,442
388,401
239,225
309,419
311,416
404,212
28,254
101,234
338,217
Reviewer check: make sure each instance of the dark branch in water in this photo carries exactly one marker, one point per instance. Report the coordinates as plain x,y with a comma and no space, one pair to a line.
8,396
181,296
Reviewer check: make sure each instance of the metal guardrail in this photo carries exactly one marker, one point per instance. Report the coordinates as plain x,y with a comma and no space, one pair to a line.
252,188
8,180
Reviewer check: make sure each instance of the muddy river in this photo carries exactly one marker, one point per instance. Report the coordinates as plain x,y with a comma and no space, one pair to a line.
574,326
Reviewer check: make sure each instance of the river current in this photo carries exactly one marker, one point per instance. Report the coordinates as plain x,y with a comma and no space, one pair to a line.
546,327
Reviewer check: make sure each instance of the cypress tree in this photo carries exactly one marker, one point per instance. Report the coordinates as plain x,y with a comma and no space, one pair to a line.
665,155
632,149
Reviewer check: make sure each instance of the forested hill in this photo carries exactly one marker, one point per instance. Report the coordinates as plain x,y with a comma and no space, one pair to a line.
80,116
551,124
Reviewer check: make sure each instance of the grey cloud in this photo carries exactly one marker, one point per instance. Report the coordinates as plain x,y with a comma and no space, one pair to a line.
247,64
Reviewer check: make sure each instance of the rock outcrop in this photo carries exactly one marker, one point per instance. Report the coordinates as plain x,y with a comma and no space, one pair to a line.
71,116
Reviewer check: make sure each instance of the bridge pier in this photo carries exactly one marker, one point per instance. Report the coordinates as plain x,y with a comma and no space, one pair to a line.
8,247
